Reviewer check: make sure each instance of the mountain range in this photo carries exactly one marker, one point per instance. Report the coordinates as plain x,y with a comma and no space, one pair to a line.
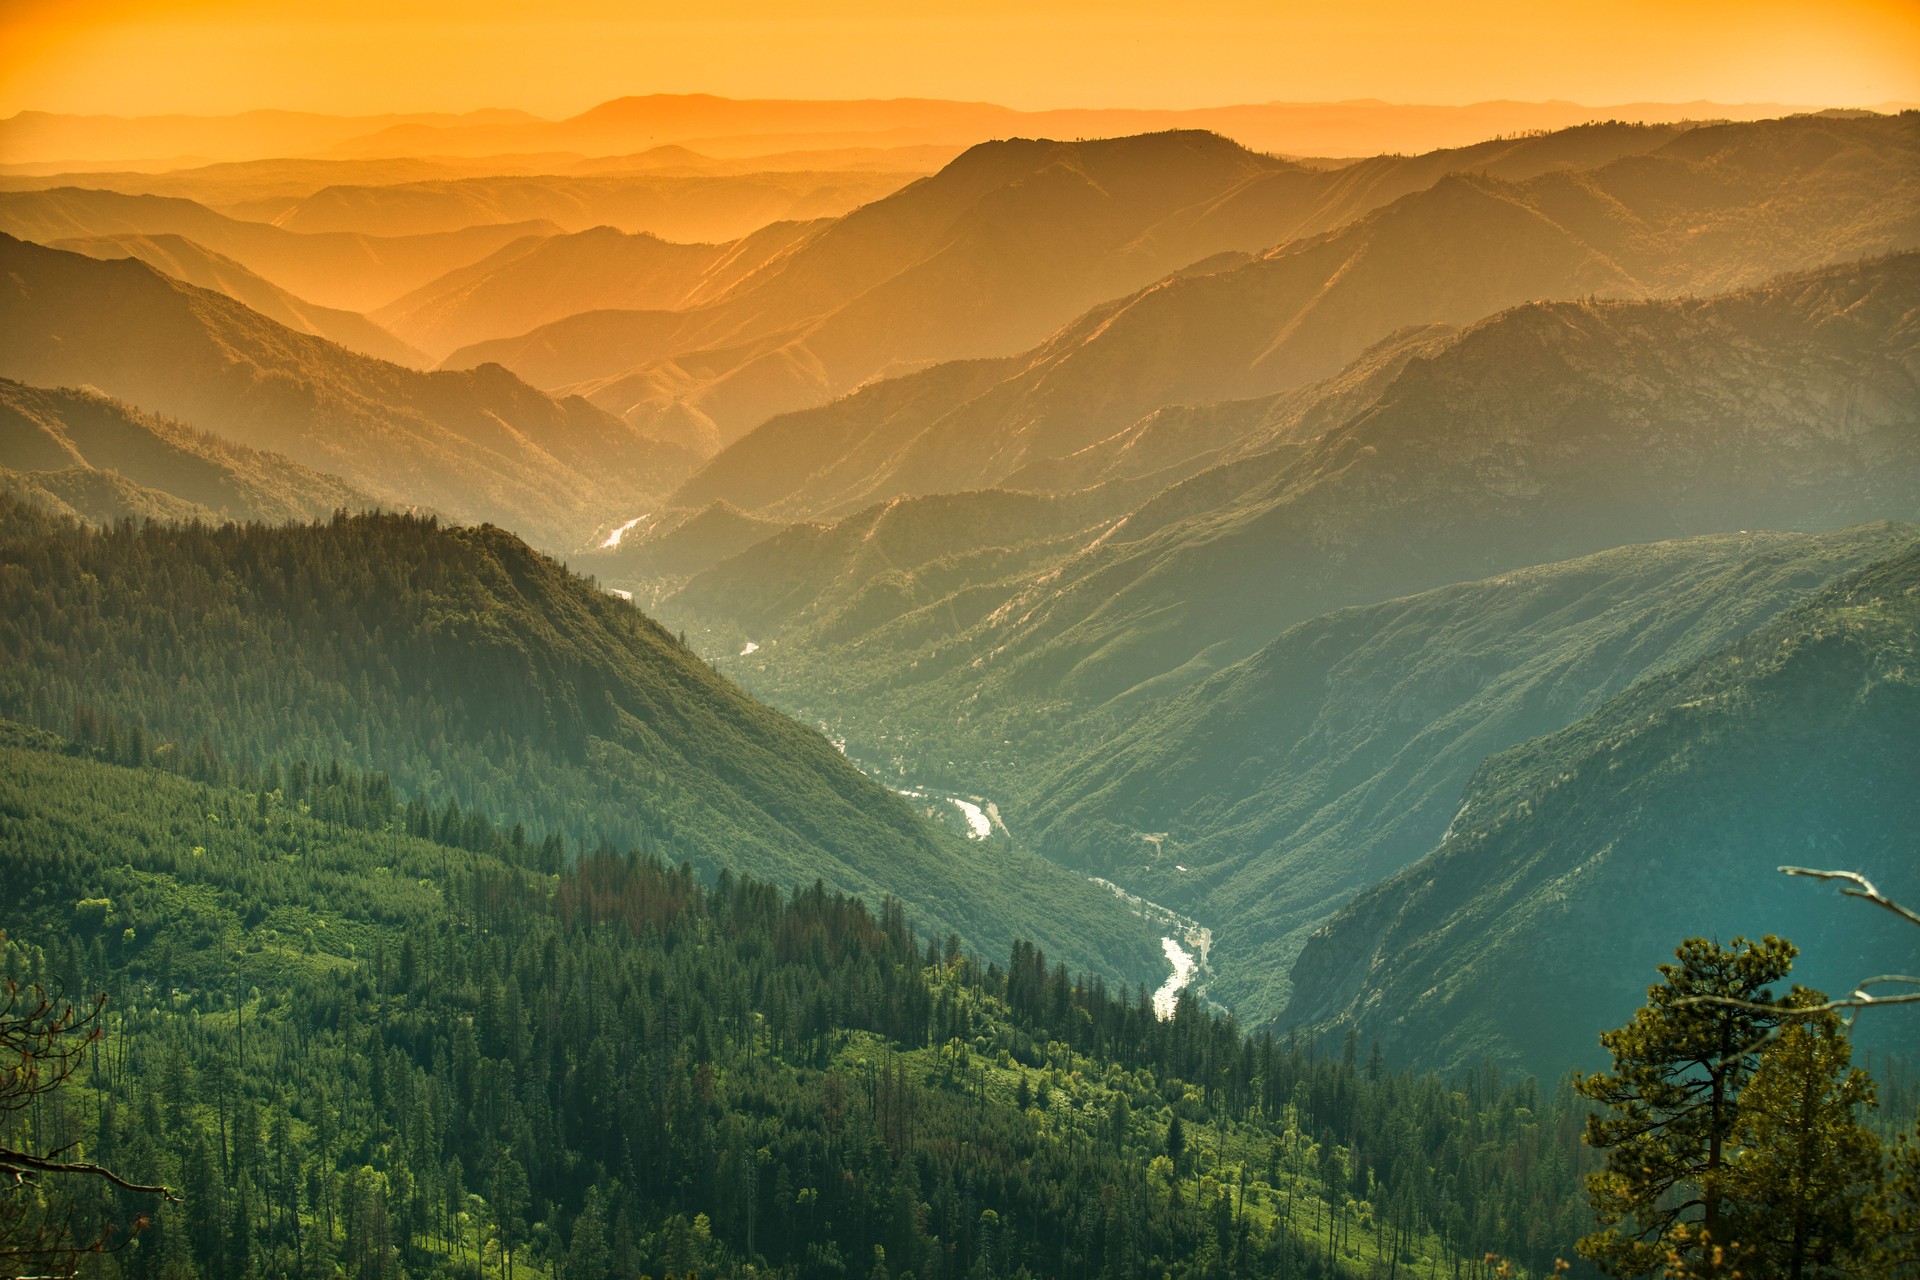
1551,430
1708,210
730,126
478,445
1054,651
997,250
194,264
540,279
346,270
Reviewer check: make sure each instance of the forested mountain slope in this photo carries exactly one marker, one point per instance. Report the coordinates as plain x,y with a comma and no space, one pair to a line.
1336,755
364,1035
477,445
465,665
1549,432
1578,858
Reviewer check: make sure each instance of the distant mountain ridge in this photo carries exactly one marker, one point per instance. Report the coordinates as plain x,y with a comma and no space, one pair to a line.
537,280
100,460
478,445
194,264
335,269
729,126
1005,244
1708,210
983,258
674,206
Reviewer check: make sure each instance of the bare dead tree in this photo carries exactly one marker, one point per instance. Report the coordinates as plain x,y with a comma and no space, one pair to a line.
1863,996
43,1041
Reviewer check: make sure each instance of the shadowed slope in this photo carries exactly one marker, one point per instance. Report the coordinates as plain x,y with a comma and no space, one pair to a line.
1662,815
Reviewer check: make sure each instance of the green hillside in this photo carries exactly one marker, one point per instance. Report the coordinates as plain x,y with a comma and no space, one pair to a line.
1577,858
1336,756
380,1040
468,667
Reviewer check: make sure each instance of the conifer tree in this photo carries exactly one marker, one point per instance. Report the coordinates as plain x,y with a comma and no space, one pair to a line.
1799,1186
1896,1210
1671,1102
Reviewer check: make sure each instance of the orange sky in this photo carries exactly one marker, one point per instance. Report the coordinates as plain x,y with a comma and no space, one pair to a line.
559,57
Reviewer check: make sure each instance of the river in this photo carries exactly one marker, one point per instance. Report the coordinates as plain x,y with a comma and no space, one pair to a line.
613,539
1187,945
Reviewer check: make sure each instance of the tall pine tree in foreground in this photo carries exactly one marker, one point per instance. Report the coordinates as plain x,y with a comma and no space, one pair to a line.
1672,1100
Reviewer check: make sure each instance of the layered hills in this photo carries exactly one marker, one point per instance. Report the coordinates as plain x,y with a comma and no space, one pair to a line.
1710,209
346,270
536,280
732,127
1550,431
184,260
466,666
1019,232
1577,860
983,258
679,205
1026,645
477,445
96,458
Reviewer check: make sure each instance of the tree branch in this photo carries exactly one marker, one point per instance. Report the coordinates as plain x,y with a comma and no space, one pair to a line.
1858,886
20,1164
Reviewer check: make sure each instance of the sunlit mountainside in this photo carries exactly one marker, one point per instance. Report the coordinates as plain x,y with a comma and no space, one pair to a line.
902,687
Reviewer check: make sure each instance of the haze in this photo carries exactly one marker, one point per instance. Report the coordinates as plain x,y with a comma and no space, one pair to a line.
138,57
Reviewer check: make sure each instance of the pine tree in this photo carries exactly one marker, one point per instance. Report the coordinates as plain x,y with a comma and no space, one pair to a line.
1671,1101
1798,1188
1896,1211
587,1251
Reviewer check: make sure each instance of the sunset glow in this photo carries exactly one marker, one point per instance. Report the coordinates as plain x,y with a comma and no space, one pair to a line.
361,56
